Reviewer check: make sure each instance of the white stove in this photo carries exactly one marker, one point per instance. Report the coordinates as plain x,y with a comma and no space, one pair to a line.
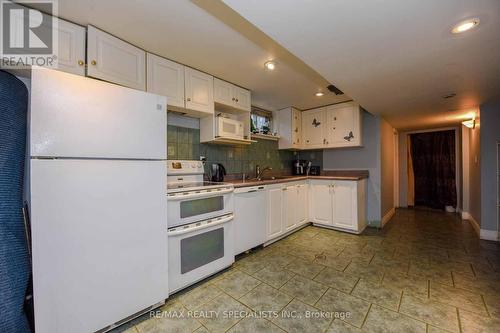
200,233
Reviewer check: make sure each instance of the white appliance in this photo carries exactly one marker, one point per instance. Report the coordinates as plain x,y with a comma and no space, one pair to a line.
200,228
98,205
250,207
228,128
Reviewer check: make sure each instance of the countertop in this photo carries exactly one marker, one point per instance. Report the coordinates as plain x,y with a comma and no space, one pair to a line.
354,175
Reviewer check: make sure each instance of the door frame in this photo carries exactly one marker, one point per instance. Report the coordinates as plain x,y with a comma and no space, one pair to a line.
404,172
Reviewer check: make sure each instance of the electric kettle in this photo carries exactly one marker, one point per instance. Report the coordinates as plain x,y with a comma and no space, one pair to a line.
218,172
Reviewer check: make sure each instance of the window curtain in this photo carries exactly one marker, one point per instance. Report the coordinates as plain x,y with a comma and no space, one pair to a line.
433,160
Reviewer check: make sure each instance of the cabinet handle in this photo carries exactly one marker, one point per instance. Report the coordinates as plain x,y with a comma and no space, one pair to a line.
334,118
188,99
307,141
93,62
81,63
237,101
283,189
296,130
234,99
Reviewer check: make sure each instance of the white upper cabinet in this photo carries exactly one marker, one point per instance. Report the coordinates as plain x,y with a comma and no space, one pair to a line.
199,90
71,56
111,59
290,128
242,98
313,128
227,95
343,125
165,77
223,92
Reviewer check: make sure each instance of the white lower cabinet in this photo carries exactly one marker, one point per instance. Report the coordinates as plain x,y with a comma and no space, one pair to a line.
287,208
290,207
284,207
339,204
320,204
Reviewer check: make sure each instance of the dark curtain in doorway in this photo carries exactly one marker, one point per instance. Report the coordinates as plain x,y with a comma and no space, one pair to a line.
433,155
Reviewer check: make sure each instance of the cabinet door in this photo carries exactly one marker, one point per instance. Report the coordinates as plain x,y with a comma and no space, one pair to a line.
111,59
302,204
344,204
275,201
199,91
166,78
71,56
296,127
223,92
242,98
313,123
321,202
343,125
289,207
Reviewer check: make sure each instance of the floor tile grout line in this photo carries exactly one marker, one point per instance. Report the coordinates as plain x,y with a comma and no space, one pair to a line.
400,300
459,322
366,316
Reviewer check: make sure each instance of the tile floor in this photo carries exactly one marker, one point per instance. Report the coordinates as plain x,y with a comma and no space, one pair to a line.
425,272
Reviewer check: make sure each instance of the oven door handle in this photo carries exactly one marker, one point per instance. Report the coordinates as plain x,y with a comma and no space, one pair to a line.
203,226
177,197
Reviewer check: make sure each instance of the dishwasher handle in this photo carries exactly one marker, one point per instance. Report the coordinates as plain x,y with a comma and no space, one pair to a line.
249,190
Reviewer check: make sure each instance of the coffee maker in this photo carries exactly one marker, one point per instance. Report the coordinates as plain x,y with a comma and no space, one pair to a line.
300,167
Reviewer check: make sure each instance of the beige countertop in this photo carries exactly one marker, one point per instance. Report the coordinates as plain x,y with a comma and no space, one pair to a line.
354,175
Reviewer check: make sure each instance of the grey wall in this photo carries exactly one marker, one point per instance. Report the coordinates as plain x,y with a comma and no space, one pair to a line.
489,136
365,158
475,174
386,166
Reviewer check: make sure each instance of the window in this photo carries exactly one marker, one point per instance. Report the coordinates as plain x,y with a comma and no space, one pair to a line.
261,121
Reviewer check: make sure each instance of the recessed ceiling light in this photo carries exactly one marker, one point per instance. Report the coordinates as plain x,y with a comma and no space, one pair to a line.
319,94
465,26
269,65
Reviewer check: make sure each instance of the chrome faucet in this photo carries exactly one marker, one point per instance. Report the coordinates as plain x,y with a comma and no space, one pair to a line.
259,172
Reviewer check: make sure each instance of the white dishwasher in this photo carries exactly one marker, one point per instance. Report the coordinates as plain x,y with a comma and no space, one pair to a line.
250,217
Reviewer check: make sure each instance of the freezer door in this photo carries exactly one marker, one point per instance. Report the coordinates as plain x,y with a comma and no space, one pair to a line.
99,232
74,116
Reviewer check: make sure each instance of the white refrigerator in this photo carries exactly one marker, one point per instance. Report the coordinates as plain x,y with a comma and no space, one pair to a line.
98,202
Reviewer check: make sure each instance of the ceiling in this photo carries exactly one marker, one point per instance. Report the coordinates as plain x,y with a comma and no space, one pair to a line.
185,32
396,58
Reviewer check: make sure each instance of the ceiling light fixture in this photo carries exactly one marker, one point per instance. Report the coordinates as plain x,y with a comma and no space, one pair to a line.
319,94
269,65
471,123
465,26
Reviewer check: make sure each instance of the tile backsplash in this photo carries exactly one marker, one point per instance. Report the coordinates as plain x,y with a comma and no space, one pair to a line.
184,143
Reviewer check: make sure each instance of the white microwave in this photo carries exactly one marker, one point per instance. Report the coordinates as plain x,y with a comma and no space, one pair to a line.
229,128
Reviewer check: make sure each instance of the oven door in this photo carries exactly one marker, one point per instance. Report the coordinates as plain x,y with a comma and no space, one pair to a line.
199,250
190,207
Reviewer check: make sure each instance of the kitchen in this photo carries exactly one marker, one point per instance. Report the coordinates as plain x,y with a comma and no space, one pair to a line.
159,182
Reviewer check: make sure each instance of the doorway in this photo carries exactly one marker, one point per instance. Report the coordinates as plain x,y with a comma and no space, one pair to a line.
432,169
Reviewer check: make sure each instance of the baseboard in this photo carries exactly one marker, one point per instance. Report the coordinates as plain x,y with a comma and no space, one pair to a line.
388,216
467,216
491,235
